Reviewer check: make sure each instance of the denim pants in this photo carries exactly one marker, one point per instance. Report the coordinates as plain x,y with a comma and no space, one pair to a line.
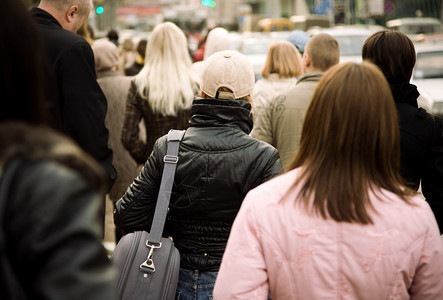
195,285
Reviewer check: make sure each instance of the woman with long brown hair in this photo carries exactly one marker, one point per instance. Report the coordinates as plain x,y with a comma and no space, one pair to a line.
341,223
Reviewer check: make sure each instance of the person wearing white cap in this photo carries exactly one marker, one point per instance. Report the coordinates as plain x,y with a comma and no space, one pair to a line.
218,164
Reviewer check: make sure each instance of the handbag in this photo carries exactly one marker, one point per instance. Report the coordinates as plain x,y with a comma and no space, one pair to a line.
147,264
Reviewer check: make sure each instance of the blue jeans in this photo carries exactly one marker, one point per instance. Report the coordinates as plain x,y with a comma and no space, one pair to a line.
195,285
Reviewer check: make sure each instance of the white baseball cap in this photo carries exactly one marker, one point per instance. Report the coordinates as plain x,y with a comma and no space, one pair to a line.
229,69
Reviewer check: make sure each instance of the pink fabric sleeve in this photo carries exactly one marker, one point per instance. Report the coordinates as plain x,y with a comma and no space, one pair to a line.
428,278
242,273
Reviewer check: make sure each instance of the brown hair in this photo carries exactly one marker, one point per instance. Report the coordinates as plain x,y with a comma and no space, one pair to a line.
324,51
284,59
349,144
393,52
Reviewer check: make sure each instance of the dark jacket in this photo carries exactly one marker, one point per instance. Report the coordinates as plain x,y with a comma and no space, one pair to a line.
81,105
218,164
157,125
50,246
421,147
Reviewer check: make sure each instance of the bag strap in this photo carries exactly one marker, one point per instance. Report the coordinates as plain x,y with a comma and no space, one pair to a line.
164,194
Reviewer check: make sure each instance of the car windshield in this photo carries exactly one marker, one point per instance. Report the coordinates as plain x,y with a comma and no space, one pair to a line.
350,45
429,65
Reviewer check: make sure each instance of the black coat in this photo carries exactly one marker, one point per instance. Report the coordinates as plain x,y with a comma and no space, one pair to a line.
50,246
218,164
80,103
421,147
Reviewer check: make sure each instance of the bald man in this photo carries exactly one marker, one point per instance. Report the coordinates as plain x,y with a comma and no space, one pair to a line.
282,122
78,104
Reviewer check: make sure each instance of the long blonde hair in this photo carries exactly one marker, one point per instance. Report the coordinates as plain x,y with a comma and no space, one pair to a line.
167,80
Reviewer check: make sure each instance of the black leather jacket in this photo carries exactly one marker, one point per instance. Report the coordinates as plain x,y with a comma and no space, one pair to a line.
50,247
218,164
421,147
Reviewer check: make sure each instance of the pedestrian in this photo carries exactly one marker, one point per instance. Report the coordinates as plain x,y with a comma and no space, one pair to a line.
281,124
115,87
87,32
139,61
162,93
127,54
218,39
421,133
299,39
218,164
340,224
113,36
80,103
50,246
282,67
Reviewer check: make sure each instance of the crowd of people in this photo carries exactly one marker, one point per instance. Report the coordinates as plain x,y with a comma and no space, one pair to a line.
302,184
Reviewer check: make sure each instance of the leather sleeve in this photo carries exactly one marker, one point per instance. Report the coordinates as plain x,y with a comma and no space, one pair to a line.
53,235
135,210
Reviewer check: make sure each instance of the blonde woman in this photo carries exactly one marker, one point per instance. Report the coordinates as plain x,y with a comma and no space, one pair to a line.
340,224
162,93
282,67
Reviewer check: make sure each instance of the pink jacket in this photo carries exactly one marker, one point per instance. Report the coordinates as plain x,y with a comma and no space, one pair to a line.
275,245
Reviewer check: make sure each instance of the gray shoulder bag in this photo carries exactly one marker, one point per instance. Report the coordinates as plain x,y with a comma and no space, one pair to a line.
147,264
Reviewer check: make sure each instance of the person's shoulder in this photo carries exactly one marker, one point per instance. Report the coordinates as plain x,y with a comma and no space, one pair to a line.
42,147
275,189
417,120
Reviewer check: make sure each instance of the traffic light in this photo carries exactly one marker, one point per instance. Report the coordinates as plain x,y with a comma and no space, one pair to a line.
99,10
209,3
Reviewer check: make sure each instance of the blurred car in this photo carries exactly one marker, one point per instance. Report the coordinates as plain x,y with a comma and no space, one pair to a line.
428,77
275,24
350,38
412,27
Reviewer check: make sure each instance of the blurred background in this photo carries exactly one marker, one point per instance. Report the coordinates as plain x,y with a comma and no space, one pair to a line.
255,24
243,15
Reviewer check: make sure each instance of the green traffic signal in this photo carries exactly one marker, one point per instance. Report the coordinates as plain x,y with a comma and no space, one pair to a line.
99,10
209,3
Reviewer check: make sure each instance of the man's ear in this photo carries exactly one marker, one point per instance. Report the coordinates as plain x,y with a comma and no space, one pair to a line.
307,59
71,13
202,94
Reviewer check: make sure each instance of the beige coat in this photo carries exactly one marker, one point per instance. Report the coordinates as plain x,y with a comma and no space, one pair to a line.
115,87
265,90
281,123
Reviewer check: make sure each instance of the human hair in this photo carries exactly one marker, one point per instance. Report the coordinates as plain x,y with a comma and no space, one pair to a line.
141,47
127,45
112,35
323,50
84,6
23,79
393,52
167,80
87,32
283,59
350,144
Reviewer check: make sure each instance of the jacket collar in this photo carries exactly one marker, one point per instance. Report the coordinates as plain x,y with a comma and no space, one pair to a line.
44,18
312,76
405,93
221,113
